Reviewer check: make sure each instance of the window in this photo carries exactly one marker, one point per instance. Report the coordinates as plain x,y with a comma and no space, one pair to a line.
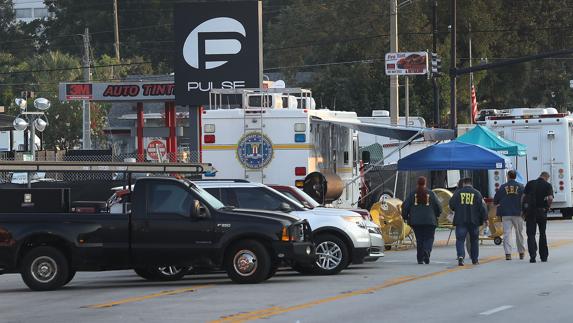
290,195
41,13
170,199
251,198
23,13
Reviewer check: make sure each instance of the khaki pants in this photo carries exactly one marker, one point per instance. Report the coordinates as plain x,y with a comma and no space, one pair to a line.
510,222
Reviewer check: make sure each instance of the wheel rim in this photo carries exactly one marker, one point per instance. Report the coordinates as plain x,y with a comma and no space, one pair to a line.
44,269
245,262
329,255
170,270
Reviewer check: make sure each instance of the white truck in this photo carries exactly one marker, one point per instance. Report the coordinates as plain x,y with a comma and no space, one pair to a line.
548,136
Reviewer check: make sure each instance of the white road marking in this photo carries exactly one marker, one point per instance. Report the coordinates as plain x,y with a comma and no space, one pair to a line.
496,310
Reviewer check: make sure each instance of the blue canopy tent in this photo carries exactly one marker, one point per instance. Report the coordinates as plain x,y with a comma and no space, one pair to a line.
454,155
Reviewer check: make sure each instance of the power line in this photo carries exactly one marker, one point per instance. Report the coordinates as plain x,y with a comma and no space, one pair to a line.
71,68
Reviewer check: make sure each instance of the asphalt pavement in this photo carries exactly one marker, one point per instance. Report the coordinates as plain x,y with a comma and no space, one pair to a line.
394,289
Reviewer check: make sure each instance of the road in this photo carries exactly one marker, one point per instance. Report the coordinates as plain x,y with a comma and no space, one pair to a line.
395,289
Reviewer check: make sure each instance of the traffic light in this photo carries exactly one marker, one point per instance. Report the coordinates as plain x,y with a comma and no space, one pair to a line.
436,64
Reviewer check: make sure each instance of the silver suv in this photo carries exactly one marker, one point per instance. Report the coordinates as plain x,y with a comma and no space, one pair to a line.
341,236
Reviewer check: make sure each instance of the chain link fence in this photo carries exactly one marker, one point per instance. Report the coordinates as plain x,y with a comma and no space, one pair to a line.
87,155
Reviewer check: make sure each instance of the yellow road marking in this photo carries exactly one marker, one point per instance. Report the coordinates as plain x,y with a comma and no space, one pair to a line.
276,310
146,297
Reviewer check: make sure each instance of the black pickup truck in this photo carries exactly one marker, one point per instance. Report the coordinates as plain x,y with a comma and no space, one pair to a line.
172,224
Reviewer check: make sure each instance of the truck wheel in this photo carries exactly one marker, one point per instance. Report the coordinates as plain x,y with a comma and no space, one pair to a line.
45,268
274,269
248,262
71,275
332,255
497,241
167,273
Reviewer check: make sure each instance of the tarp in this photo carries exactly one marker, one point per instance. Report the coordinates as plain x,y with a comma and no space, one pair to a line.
392,131
486,138
454,155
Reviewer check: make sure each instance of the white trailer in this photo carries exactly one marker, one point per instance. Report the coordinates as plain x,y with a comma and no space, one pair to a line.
548,137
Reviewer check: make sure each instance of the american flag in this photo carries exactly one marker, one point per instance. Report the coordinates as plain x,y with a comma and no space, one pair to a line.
474,104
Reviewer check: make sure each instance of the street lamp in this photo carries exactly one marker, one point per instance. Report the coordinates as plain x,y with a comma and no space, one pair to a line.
37,120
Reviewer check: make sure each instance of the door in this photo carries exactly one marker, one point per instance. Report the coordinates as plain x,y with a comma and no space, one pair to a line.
167,234
531,165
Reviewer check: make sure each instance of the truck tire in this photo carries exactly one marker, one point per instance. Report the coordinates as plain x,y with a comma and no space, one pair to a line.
332,253
248,262
45,268
274,269
167,273
71,275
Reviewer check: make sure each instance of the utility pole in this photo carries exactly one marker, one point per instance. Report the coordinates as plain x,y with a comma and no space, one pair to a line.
453,74
435,50
116,31
407,102
471,74
394,111
86,126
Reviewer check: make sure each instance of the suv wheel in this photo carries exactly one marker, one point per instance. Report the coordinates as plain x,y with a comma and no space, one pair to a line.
332,255
45,268
248,262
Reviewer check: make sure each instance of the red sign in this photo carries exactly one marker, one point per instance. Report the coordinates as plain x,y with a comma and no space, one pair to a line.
156,148
81,91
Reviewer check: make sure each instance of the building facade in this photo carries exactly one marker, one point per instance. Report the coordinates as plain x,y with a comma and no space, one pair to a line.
30,10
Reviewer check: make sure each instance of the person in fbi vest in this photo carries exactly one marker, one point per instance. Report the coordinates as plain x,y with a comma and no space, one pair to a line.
421,210
508,202
469,214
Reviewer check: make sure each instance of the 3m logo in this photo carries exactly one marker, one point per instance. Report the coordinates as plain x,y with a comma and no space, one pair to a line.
213,43
79,92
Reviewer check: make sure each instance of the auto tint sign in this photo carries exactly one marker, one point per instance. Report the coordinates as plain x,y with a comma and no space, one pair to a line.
407,63
218,46
117,91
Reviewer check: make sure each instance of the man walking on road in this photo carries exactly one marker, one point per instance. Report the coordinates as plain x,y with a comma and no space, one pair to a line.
508,200
538,196
469,213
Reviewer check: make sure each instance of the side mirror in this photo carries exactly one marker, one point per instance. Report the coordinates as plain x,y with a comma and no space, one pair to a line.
198,211
366,157
285,207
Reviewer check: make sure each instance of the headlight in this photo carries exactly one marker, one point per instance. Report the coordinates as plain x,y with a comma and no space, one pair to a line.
294,233
356,220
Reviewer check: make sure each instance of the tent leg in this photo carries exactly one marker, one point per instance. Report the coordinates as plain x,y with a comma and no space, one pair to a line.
396,182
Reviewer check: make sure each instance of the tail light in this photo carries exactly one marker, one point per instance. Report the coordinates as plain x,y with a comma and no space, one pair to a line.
300,171
209,139
299,183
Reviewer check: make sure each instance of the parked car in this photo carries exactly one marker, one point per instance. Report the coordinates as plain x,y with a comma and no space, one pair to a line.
376,238
172,223
341,236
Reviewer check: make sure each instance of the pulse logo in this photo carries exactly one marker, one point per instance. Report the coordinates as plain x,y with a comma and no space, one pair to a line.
213,43
218,47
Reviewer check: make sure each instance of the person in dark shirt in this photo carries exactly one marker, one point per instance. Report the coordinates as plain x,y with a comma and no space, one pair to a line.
469,214
537,199
421,210
508,201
